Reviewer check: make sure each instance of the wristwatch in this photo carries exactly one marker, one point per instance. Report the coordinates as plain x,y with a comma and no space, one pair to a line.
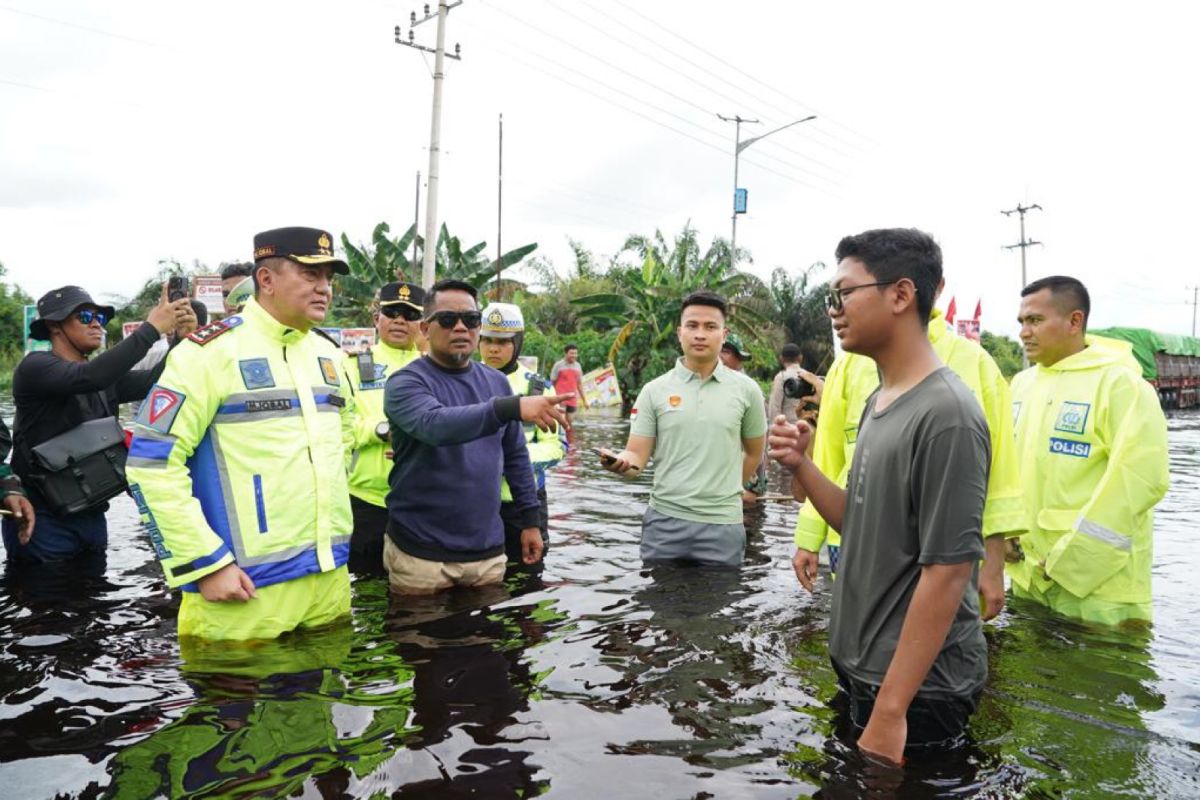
383,430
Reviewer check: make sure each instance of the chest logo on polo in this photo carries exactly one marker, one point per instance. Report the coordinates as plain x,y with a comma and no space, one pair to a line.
256,373
674,401
1069,447
329,371
1072,417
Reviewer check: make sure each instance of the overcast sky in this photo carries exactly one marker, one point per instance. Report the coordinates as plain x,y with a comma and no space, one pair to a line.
133,131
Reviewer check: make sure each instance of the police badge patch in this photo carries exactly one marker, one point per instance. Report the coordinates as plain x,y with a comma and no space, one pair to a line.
1072,417
256,373
159,409
329,371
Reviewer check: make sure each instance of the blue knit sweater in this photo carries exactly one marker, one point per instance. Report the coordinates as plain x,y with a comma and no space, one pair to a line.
455,432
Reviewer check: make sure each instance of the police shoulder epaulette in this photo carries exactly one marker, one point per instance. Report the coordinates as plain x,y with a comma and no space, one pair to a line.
212,330
328,337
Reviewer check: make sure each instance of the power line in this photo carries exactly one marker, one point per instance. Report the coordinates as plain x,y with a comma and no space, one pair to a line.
558,77
687,76
742,72
654,86
76,26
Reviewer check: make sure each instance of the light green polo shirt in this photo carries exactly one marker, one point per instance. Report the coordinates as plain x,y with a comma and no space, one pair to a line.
698,427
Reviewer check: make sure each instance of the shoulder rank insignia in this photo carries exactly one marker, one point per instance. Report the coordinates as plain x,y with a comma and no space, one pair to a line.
214,329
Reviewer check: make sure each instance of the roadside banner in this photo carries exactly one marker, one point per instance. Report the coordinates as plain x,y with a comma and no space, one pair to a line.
357,340
208,291
601,389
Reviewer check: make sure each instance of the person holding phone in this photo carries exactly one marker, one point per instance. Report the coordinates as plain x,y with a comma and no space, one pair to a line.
58,390
704,425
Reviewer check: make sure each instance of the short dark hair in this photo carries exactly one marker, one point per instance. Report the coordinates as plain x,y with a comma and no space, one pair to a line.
790,353
1069,294
703,297
569,347
891,254
449,285
236,269
201,312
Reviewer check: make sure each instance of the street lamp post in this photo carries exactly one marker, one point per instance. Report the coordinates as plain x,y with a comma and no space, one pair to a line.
738,147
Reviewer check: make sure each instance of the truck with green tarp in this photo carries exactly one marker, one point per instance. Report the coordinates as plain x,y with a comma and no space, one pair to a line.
1169,361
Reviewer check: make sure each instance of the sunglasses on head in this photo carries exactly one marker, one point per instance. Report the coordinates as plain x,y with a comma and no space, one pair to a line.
449,319
405,312
86,315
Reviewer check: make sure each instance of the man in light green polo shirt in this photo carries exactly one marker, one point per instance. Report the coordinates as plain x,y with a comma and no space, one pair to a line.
704,425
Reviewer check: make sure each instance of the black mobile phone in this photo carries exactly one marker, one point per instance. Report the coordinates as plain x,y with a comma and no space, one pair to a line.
177,287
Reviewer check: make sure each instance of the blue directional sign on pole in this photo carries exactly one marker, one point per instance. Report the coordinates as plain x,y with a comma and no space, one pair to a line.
739,201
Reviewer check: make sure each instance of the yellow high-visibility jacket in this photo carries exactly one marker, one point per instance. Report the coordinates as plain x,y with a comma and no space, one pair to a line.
369,464
853,378
238,453
545,449
1092,440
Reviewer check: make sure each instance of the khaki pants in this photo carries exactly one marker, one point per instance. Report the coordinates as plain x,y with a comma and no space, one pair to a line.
411,575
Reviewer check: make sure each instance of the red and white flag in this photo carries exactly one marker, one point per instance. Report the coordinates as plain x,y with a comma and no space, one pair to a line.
951,310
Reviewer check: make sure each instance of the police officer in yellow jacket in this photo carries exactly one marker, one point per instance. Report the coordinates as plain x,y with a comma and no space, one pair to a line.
849,383
501,337
238,461
397,320
1092,440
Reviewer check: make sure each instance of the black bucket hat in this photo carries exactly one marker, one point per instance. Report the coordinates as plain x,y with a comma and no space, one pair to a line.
58,304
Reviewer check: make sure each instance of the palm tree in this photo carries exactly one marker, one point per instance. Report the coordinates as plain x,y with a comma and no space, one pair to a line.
799,308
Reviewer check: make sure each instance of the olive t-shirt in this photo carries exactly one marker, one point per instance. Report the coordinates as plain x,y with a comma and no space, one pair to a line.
915,497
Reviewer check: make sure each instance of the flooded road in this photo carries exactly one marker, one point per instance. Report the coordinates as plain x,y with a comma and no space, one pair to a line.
600,679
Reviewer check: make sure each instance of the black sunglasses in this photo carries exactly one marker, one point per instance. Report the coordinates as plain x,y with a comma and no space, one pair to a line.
405,312
86,315
449,319
835,301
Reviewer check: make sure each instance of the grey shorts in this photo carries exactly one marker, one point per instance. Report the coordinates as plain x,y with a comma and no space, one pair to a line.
667,538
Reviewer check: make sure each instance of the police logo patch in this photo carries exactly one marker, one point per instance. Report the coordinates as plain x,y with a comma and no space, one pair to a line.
329,371
1068,447
1072,417
256,373
159,409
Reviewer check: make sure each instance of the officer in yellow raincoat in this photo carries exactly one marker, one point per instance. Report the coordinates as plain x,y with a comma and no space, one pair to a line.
500,339
1092,440
238,459
397,321
849,383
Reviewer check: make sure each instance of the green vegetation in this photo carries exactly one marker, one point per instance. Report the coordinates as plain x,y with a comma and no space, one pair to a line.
1004,350
13,300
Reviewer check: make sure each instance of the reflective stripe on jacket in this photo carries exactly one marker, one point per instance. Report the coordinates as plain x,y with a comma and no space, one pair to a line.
369,463
545,449
853,378
238,453
1093,441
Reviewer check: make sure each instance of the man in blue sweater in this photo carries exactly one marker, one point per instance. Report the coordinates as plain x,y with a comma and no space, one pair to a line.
456,429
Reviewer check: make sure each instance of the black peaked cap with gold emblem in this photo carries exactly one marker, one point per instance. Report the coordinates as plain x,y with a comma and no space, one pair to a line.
397,292
302,245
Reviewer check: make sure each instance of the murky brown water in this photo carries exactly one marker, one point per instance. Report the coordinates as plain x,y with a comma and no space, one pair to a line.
603,679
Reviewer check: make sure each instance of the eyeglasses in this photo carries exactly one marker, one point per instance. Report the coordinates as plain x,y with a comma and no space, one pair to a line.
86,315
449,319
406,312
835,300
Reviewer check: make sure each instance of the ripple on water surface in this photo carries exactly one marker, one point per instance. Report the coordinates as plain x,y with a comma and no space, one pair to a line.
599,679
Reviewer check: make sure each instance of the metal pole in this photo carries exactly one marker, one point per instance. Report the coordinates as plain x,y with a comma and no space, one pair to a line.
1195,297
737,151
499,208
416,220
1024,279
427,269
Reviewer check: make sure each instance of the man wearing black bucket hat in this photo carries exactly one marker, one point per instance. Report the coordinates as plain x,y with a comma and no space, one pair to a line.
59,391
238,459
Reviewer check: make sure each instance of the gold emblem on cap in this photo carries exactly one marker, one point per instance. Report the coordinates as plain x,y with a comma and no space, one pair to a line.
324,242
495,318
404,292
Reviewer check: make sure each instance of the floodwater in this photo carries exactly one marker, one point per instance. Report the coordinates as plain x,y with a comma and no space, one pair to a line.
601,679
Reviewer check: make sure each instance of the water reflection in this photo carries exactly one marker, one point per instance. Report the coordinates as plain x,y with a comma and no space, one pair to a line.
597,678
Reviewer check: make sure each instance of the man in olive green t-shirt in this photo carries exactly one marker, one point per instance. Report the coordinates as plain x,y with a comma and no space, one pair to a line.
704,425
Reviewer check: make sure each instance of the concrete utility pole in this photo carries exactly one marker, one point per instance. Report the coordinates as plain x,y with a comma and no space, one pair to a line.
738,147
416,221
435,132
1024,244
